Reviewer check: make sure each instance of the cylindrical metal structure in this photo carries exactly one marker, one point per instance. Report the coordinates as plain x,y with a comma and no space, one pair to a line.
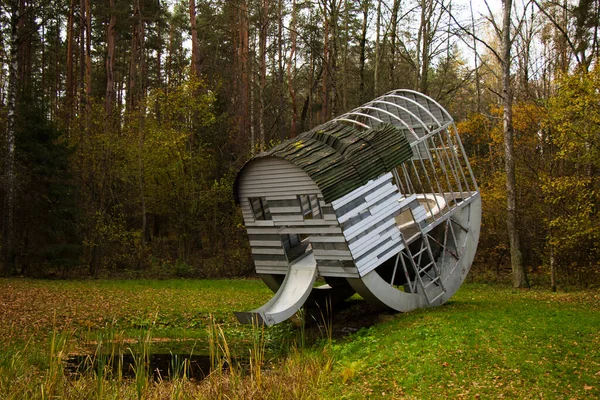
381,201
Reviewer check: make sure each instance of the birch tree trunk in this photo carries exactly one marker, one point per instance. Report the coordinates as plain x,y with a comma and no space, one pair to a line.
516,258
377,51
394,35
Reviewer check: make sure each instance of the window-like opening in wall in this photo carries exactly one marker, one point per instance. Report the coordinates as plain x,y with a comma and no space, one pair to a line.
260,208
309,204
295,245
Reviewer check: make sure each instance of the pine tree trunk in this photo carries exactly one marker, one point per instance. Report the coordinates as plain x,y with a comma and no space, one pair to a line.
88,65
290,71
8,231
141,71
81,92
333,61
281,68
132,87
344,48
516,258
196,58
363,52
70,86
326,70
262,49
242,75
110,62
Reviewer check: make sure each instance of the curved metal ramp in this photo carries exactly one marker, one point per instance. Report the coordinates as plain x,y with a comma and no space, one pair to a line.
292,294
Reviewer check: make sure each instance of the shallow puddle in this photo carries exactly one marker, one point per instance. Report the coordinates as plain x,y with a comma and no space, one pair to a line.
128,366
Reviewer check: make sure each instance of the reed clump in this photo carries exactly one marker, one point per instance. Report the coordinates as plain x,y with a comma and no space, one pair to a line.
103,374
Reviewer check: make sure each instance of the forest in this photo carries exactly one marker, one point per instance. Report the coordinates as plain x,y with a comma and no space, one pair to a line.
124,123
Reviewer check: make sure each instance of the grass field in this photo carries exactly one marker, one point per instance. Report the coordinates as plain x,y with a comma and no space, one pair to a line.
487,342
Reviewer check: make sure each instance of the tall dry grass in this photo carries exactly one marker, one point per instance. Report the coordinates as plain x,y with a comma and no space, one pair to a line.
24,375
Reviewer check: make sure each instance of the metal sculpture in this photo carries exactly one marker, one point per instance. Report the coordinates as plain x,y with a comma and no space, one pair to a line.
381,201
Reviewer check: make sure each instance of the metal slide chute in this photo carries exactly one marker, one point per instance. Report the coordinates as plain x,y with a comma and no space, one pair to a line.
290,297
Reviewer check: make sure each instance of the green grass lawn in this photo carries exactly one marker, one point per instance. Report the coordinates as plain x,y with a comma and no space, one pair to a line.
487,342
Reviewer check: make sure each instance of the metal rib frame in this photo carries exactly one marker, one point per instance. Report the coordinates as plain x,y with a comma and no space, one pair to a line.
439,171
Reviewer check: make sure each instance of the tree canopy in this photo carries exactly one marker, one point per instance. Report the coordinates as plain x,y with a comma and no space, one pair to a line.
123,123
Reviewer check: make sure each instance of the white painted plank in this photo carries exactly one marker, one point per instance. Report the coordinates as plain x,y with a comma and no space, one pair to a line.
265,243
368,246
405,201
276,178
287,219
360,191
378,249
365,262
270,263
311,230
380,193
265,250
353,213
383,213
327,239
384,197
290,190
263,230
283,210
271,270
391,253
333,253
339,272
304,223
356,244
376,209
282,197
277,173
419,214
290,184
254,223
330,257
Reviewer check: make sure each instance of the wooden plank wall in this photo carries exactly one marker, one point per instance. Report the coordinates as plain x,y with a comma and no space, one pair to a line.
279,183
367,216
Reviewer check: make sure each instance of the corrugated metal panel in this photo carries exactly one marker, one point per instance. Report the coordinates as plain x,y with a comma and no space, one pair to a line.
337,157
